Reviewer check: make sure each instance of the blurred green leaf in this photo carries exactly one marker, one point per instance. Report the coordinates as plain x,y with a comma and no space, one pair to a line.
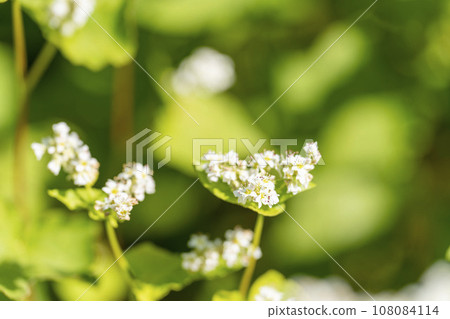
227,295
12,245
157,271
270,278
219,117
277,281
335,67
8,83
196,15
92,46
110,286
13,281
61,245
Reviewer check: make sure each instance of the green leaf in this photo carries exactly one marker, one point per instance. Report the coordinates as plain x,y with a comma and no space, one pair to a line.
227,295
157,271
91,46
13,281
78,198
447,255
62,245
112,284
195,14
224,192
220,116
276,280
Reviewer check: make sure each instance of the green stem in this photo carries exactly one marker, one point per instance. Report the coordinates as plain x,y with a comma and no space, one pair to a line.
115,247
20,138
19,40
39,66
122,107
248,273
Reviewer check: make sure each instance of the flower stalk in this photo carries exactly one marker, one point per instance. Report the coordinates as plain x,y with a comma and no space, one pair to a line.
21,127
116,249
248,273
39,66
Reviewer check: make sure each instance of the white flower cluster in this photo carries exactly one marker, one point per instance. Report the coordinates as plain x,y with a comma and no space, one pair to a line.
67,16
260,189
268,293
256,180
204,71
69,153
211,255
126,190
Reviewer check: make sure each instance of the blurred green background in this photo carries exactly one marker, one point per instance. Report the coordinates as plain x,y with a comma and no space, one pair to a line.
377,103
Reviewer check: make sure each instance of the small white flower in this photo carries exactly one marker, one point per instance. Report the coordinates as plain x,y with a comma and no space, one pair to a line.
39,150
208,255
67,16
199,242
126,190
69,153
259,189
268,293
268,158
205,71
312,151
61,129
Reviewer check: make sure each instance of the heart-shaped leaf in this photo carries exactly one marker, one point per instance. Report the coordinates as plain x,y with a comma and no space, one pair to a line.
107,38
157,271
224,192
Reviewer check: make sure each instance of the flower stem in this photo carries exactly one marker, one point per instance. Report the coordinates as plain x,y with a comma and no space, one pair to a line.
115,247
20,137
39,66
19,40
122,107
248,273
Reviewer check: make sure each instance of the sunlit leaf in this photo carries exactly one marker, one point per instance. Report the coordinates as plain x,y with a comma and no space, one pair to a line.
91,46
227,295
13,281
110,286
277,281
157,271
78,198
62,244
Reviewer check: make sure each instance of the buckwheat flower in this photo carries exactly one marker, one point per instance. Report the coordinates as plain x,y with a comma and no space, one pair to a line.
260,189
67,16
237,248
268,293
126,190
267,159
205,257
312,151
208,255
242,237
212,260
199,242
204,71
140,178
69,153
192,261
122,204
296,170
